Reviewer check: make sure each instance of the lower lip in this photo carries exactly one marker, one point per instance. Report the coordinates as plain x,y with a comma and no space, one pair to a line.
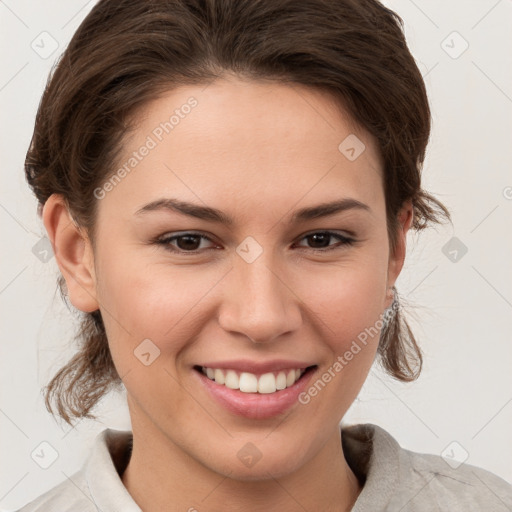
256,405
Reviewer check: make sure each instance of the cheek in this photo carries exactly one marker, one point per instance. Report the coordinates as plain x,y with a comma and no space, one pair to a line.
156,302
348,321
347,302
352,309
347,298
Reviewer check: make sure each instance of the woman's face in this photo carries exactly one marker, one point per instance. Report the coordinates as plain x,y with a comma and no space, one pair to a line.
261,294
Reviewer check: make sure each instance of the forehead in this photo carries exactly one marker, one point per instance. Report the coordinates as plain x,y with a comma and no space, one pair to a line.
260,145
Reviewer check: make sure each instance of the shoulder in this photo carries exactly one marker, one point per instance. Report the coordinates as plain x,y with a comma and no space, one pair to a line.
71,495
401,479
457,487
97,485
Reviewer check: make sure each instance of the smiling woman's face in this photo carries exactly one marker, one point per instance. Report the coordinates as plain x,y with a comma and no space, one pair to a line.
261,289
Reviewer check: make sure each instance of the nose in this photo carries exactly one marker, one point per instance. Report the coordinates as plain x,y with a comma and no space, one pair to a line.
259,302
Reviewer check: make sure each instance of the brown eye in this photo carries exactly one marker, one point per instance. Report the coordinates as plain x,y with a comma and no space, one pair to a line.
185,242
320,240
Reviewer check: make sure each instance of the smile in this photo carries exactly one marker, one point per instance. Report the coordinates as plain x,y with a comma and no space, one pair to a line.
262,395
250,383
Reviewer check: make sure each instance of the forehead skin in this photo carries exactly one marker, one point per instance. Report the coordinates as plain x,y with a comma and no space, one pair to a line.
257,150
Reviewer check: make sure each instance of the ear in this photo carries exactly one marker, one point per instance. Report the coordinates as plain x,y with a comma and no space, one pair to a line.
396,260
73,253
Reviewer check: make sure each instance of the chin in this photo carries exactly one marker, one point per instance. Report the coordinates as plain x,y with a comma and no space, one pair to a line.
246,463
261,471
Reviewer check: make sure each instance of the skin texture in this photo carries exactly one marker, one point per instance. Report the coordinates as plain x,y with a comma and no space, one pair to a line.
257,151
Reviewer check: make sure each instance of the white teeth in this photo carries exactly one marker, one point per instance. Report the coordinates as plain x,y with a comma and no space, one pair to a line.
251,383
232,380
267,383
219,376
248,383
281,380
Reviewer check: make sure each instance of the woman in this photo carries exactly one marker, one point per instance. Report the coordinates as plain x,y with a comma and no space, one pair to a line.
228,186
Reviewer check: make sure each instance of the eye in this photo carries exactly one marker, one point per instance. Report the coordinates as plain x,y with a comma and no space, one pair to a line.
186,242
322,237
190,243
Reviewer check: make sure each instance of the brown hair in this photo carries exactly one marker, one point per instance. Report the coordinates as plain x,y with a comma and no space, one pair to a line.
127,52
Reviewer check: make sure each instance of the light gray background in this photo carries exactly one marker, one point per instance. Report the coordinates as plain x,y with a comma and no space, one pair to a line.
462,309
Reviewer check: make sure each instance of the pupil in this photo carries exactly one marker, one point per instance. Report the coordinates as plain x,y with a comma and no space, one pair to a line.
323,236
187,245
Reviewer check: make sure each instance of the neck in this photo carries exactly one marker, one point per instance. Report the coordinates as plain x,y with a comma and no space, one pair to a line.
161,476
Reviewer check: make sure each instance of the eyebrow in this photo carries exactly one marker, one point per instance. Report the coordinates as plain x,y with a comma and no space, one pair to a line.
214,215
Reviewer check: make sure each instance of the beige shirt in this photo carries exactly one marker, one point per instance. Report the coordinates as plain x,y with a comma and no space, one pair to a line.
395,479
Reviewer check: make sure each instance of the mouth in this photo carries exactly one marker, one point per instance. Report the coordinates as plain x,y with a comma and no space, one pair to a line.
246,382
255,396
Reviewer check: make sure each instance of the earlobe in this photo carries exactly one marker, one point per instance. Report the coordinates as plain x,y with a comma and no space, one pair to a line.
73,253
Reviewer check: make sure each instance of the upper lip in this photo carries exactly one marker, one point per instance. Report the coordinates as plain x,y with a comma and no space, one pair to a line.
244,365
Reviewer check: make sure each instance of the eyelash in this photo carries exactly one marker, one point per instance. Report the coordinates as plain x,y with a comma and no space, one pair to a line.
166,241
